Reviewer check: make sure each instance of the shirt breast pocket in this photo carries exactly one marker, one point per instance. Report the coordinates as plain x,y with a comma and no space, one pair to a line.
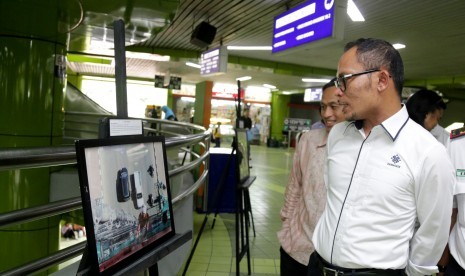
388,189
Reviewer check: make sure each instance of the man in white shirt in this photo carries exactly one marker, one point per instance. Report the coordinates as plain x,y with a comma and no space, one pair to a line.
390,182
440,134
456,266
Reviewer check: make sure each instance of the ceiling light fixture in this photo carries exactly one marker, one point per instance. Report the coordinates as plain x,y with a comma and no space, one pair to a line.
353,12
269,86
244,78
250,48
191,64
188,99
147,56
316,80
398,46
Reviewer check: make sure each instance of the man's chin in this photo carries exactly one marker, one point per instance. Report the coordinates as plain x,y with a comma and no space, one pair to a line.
350,117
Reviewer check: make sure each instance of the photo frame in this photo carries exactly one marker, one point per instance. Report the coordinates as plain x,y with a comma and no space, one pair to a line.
242,154
126,199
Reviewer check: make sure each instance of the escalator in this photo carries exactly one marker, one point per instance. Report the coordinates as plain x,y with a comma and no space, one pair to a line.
82,116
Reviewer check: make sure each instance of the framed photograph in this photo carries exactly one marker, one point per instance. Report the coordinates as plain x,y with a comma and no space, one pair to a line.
126,199
242,154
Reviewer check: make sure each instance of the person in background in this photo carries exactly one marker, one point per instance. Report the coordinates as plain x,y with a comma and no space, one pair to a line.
246,119
426,108
217,135
305,195
456,260
154,115
153,112
169,114
318,124
389,182
67,231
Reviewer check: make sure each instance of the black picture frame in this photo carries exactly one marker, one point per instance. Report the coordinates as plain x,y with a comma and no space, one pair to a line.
126,199
242,154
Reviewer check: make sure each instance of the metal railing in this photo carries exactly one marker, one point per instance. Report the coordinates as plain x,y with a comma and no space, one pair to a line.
23,158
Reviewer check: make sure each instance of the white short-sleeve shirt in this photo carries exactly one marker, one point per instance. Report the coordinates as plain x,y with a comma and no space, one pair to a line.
379,186
457,236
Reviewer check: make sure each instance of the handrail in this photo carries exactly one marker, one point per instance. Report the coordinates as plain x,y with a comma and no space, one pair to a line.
24,158
40,212
77,249
146,119
63,206
44,263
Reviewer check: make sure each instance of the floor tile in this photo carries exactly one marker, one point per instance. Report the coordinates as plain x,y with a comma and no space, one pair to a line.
216,248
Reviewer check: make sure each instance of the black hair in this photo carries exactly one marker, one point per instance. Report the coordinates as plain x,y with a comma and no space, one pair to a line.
376,53
423,102
329,84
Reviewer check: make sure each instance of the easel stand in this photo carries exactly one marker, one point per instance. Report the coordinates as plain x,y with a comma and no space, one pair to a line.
218,192
148,261
242,208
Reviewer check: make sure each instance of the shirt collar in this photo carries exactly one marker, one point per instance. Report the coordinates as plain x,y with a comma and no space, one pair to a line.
392,125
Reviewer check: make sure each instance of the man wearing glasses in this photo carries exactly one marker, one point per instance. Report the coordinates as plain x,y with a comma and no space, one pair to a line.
305,196
389,182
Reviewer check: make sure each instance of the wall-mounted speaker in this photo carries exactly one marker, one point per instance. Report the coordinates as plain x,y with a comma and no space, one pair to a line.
203,34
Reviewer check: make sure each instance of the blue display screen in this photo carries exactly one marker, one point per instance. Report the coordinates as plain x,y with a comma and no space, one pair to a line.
308,22
214,61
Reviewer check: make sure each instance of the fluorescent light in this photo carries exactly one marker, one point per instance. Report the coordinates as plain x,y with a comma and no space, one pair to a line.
188,99
398,46
287,93
147,56
269,86
250,48
353,12
191,64
316,80
244,78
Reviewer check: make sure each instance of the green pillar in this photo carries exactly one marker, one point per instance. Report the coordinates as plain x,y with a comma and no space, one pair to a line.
75,80
31,115
170,101
279,111
203,103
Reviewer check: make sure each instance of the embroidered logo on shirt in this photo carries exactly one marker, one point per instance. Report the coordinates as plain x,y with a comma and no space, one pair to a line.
460,173
395,159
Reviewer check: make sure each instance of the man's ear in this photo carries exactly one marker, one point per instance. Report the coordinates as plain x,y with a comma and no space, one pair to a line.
383,80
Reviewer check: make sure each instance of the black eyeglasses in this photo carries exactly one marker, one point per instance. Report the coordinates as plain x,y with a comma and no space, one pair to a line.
341,82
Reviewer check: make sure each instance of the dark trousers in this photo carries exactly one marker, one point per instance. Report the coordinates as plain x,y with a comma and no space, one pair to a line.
453,268
217,142
313,265
291,267
69,234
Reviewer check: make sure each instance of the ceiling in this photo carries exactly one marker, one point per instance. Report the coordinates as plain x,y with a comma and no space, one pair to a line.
433,32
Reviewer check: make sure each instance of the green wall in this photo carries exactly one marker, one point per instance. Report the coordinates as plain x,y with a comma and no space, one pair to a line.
31,115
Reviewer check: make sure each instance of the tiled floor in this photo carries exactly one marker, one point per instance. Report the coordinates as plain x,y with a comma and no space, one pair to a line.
215,255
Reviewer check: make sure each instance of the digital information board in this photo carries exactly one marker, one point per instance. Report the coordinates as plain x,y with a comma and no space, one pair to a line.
214,62
308,22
